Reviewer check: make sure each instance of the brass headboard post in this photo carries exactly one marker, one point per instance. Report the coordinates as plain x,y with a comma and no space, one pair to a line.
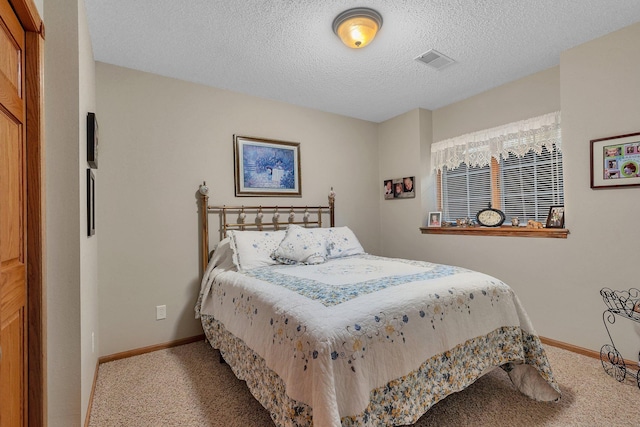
204,209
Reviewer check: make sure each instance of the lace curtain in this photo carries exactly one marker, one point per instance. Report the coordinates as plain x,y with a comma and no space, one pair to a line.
477,148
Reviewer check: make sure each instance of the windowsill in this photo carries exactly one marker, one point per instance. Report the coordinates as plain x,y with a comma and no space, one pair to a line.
505,231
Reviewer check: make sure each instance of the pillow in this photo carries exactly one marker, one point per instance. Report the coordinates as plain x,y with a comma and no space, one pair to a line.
222,256
253,249
301,246
341,242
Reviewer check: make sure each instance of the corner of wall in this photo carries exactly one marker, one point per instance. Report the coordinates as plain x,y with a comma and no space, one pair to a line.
427,179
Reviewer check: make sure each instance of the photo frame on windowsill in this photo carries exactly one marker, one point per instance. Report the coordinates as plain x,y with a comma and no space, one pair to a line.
555,218
434,219
615,161
92,140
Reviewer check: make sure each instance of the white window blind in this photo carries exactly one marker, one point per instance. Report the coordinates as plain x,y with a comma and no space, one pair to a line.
465,190
531,184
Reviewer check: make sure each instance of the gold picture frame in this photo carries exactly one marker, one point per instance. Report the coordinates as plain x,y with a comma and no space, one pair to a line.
266,167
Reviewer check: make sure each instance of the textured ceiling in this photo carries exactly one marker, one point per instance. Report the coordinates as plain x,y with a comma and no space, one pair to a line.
286,50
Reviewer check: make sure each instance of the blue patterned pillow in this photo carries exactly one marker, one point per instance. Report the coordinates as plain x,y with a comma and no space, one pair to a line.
253,249
341,242
301,246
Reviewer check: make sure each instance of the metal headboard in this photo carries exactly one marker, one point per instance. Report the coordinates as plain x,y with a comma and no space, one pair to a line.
263,218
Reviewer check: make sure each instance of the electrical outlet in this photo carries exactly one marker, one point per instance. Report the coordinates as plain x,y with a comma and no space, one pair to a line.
161,312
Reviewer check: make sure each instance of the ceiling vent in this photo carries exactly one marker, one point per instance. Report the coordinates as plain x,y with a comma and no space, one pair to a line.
435,59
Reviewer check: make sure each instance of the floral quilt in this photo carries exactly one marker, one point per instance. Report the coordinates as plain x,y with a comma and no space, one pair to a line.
366,340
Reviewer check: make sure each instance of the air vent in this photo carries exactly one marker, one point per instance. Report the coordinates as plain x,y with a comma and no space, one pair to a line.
435,59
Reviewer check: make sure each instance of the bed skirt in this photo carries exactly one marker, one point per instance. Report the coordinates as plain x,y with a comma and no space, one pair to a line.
403,400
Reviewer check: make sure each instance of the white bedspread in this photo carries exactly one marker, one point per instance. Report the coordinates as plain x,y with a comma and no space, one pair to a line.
357,333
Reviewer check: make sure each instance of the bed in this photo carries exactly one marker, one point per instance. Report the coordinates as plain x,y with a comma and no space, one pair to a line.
325,334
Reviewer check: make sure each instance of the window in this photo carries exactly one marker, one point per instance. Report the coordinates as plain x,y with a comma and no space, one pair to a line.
524,187
465,190
530,185
517,168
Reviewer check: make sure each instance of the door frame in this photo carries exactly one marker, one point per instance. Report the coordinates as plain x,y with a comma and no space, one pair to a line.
36,290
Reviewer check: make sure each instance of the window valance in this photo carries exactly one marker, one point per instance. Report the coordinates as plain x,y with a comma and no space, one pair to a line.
477,148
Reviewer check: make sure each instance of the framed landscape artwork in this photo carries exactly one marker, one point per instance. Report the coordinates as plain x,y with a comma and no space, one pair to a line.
265,167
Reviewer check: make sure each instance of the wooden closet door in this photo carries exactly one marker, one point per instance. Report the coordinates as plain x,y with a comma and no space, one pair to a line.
13,283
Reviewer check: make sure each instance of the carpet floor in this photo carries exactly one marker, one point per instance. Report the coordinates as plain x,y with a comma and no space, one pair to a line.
187,386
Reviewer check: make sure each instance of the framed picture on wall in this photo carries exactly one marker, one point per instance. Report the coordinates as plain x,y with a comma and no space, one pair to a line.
399,188
91,203
408,186
92,140
265,167
387,188
615,161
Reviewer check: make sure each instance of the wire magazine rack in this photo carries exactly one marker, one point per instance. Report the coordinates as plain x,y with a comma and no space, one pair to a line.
624,304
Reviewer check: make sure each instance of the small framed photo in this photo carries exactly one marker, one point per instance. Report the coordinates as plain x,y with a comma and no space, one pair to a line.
266,167
399,188
387,188
435,219
555,219
615,161
92,140
408,187
91,203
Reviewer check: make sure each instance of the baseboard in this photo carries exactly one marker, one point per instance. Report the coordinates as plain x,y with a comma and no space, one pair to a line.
583,351
149,349
123,355
93,390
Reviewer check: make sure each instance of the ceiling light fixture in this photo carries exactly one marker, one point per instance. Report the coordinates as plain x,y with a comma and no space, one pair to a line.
357,27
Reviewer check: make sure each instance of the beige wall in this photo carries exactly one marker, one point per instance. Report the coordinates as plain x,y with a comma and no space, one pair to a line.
400,141
63,215
88,245
531,96
600,99
160,138
557,280
427,181
71,260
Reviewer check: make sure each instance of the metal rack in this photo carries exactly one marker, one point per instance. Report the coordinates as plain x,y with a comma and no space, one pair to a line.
625,304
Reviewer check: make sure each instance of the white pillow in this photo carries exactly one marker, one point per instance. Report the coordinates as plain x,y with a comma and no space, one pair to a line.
222,256
301,246
253,249
341,242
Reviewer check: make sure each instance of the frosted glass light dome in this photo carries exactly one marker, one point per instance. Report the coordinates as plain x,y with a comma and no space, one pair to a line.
357,27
